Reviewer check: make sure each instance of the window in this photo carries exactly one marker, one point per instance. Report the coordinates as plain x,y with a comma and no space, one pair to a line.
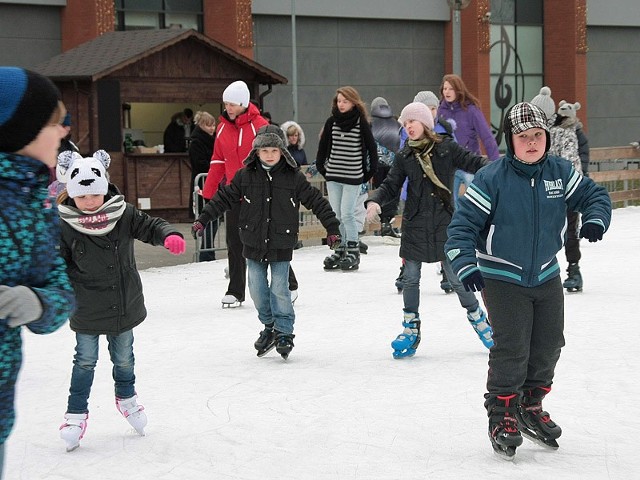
154,14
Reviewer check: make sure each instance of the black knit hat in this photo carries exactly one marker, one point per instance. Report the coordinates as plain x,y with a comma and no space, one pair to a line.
27,101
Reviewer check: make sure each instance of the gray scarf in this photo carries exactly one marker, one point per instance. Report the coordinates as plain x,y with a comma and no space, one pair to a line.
95,223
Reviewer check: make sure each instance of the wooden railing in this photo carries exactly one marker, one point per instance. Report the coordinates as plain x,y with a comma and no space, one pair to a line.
618,170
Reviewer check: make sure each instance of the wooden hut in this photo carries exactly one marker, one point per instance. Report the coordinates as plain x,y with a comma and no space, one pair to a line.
100,77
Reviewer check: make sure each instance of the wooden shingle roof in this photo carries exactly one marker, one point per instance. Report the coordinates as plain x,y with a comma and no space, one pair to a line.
98,58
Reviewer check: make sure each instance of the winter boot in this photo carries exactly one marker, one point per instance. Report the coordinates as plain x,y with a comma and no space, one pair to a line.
573,283
503,424
133,412
73,428
332,262
406,343
445,285
536,424
480,323
400,280
266,341
284,344
351,260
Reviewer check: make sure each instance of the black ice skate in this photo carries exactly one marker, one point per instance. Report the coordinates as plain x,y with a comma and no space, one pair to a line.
351,260
266,341
503,425
284,344
573,283
332,262
535,424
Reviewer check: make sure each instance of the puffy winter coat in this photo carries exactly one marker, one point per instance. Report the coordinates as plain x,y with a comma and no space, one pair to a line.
104,274
428,209
470,127
517,221
234,141
269,214
29,234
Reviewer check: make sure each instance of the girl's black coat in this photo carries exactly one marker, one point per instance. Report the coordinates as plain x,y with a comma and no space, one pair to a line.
104,275
269,212
427,212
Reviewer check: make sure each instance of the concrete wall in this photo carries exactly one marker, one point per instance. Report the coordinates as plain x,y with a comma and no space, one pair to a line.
613,85
29,34
392,59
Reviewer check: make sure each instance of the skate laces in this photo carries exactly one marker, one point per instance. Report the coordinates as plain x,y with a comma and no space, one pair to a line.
508,423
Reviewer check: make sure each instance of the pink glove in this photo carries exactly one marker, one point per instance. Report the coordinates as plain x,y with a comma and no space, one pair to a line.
373,212
175,244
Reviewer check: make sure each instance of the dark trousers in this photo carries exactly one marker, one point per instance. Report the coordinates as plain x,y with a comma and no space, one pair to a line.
528,326
572,247
237,263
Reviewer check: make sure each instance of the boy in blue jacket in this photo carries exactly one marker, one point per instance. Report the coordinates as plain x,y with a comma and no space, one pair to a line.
514,215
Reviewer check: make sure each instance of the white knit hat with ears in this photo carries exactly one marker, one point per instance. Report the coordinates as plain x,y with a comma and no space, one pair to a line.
84,175
237,93
417,111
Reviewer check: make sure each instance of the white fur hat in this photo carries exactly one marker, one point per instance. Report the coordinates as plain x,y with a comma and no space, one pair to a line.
84,175
237,92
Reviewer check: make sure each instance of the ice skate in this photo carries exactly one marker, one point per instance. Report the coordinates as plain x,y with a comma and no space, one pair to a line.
230,301
363,247
72,430
536,424
573,283
332,262
284,344
266,341
503,425
407,342
294,296
480,323
133,412
351,260
390,235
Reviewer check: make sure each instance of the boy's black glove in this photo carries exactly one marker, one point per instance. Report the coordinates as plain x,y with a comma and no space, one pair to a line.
592,232
197,229
474,282
334,241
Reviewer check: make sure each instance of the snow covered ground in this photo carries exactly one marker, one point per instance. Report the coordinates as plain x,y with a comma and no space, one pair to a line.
341,407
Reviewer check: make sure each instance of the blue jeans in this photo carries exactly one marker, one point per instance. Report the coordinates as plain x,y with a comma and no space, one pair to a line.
84,364
411,290
273,301
343,199
460,177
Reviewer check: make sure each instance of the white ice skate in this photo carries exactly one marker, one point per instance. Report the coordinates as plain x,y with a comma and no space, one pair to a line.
230,301
72,430
294,296
133,412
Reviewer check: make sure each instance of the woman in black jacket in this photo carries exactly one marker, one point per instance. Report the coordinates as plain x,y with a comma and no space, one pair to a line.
200,151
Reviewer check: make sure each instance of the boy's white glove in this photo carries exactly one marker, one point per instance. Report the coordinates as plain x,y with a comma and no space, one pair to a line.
19,305
373,212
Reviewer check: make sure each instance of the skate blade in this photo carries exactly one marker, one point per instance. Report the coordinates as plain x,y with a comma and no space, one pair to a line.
530,435
389,240
262,353
231,305
574,289
71,448
504,453
404,353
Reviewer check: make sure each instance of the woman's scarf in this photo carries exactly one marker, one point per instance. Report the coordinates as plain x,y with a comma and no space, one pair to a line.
422,150
95,223
347,120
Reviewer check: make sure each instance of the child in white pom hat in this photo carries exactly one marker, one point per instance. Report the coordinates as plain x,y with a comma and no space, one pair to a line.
98,233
